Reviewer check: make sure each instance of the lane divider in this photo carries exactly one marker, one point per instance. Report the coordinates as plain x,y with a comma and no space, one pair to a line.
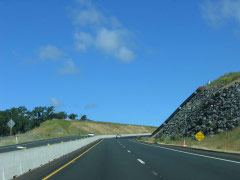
50,175
141,161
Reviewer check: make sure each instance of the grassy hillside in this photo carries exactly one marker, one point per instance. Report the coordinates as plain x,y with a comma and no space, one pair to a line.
58,128
228,141
226,79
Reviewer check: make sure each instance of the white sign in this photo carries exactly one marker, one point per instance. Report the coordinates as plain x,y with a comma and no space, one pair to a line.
11,123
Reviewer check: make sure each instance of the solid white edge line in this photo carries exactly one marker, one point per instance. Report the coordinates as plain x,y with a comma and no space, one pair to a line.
141,161
191,153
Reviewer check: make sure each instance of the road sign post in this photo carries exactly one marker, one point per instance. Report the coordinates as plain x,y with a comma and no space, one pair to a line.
10,124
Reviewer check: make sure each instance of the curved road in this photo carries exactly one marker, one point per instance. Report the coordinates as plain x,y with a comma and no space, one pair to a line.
126,159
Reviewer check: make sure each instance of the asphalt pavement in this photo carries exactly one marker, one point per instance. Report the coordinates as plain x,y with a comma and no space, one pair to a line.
38,143
126,159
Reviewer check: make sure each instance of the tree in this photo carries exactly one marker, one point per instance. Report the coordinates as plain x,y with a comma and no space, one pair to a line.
50,112
83,118
60,115
19,116
22,110
26,120
4,129
73,116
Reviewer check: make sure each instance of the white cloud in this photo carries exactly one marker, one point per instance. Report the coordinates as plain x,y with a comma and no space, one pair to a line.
125,54
221,11
50,52
90,106
84,37
113,42
54,102
89,16
80,46
87,3
68,68
108,40
106,35
83,40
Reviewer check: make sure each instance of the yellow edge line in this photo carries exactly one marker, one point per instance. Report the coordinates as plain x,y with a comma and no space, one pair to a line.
70,161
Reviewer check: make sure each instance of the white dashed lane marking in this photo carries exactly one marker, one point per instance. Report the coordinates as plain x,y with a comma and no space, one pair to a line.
210,157
142,162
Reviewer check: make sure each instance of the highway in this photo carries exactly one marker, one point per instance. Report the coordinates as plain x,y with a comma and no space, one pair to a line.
126,159
38,143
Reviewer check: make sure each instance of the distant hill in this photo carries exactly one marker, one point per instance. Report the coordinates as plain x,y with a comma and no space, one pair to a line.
57,128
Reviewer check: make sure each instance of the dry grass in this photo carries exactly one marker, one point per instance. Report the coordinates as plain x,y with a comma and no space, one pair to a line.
225,142
21,139
56,128
110,128
59,128
226,80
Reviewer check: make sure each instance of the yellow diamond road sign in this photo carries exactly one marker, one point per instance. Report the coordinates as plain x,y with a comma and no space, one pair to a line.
199,136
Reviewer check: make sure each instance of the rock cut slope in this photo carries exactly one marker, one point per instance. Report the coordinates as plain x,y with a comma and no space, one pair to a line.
212,110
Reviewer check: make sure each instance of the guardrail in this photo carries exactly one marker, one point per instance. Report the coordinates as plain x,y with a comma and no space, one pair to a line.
16,163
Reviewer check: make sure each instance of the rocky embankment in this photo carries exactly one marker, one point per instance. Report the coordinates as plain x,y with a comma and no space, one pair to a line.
212,110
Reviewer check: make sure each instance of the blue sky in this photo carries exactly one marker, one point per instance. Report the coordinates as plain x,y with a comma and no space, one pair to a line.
118,61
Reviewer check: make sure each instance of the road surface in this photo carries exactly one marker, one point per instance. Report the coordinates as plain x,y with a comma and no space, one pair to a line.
38,143
126,159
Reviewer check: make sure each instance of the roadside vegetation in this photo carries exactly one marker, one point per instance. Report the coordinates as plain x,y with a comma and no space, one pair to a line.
26,120
226,80
59,128
228,141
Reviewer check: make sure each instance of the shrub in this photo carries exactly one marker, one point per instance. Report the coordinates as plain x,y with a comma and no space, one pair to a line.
139,138
213,124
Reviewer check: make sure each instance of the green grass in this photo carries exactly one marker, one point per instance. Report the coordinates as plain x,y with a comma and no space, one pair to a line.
21,139
228,141
227,79
139,138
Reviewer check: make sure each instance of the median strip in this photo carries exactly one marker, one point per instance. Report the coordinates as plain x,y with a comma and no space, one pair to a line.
50,175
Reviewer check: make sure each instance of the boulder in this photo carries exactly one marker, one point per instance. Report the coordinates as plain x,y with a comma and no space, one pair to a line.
211,110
